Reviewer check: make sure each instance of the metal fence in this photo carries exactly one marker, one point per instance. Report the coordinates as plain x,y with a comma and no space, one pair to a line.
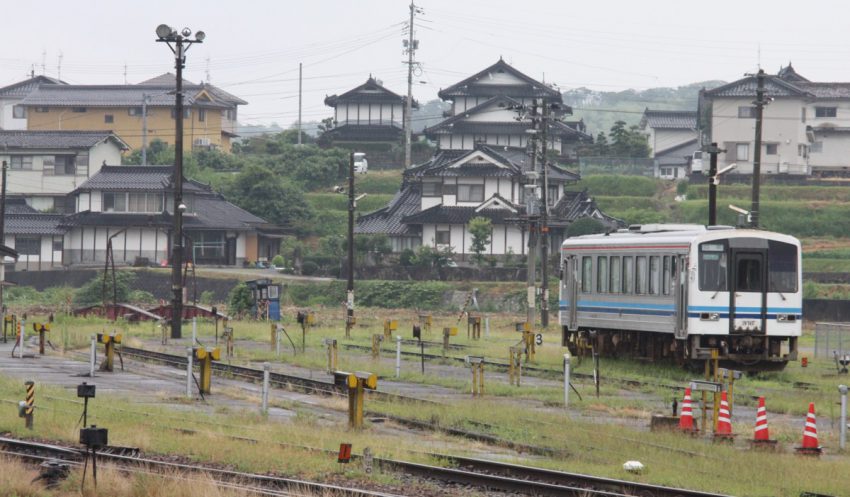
831,338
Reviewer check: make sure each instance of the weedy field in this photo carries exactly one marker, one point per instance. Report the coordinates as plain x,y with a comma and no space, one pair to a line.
594,435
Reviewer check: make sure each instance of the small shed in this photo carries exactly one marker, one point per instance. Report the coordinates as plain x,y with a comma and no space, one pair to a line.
266,299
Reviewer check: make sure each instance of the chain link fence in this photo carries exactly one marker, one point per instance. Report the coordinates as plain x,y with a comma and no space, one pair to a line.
831,338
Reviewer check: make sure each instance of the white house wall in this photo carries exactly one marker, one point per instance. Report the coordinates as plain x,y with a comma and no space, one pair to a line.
8,120
835,153
663,139
85,245
45,259
503,239
104,152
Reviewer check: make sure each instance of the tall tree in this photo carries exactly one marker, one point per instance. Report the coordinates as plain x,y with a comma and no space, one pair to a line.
481,229
260,191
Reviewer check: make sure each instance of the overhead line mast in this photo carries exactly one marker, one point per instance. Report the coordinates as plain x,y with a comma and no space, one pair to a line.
410,47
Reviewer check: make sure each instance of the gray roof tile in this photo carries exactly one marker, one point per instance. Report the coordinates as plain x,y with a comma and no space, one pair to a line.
23,88
669,119
136,178
56,139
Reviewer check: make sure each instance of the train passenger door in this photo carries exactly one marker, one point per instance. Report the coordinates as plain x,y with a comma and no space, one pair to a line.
747,302
571,291
681,296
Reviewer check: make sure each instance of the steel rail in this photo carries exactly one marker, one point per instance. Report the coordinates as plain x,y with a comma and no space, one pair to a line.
32,449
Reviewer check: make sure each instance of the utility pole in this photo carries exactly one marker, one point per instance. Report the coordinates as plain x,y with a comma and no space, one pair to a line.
3,232
178,43
712,150
544,221
410,46
299,102
531,277
760,102
145,129
349,321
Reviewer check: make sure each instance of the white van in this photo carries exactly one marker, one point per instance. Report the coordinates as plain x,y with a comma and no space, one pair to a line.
361,166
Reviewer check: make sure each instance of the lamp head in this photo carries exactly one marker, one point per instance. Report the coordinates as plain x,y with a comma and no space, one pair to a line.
200,35
186,32
181,207
163,31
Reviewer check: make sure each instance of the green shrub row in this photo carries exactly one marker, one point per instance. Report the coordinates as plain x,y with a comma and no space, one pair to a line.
618,185
774,192
338,202
799,219
384,294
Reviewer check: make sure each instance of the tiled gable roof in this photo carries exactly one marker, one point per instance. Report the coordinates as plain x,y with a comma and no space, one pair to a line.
773,87
472,86
23,88
370,91
388,219
669,119
56,139
35,223
136,178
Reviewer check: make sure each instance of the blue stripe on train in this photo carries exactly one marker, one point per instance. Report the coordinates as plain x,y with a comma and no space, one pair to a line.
668,310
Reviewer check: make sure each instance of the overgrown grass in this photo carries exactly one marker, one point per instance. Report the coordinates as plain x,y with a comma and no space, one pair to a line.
375,182
800,219
778,193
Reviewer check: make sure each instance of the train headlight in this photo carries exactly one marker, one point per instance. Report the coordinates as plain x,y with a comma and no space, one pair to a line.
786,318
709,316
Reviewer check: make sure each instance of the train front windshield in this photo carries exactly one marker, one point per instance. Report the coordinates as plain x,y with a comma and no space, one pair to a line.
781,265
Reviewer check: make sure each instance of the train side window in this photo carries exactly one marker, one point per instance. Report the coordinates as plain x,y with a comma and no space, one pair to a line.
586,274
602,274
614,271
654,274
782,267
667,276
628,274
640,275
712,267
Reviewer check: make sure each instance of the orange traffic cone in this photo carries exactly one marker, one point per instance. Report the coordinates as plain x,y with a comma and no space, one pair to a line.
686,420
810,434
761,437
724,420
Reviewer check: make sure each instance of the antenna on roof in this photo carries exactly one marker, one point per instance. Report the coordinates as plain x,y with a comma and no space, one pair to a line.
43,62
208,70
759,55
125,73
59,67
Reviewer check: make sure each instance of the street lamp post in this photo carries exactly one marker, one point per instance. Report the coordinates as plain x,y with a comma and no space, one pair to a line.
179,43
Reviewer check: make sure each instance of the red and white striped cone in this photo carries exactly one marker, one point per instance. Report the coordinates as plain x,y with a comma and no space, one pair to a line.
724,420
686,420
761,436
810,434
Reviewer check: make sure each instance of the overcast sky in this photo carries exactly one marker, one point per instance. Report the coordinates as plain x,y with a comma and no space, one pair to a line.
253,47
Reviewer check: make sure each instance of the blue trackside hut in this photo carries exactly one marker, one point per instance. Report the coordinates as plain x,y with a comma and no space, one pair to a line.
266,299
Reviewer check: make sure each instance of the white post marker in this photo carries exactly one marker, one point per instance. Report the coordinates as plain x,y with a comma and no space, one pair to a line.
398,356
21,339
189,378
487,327
843,431
566,379
266,373
194,331
92,356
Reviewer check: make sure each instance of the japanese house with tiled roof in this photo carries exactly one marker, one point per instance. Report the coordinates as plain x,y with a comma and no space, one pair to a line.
210,112
673,139
13,116
369,113
45,166
806,126
480,169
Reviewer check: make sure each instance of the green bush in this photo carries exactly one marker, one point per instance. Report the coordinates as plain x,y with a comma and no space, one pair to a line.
309,268
682,187
277,261
240,299
585,226
92,292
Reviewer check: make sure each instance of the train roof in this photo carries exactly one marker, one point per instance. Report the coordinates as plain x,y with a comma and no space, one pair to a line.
665,234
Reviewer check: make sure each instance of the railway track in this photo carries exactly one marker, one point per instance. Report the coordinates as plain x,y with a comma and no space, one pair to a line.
254,483
482,474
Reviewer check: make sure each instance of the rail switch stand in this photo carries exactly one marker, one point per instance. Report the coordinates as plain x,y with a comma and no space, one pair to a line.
42,329
356,383
377,339
390,325
473,323
109,342
476,363
205,358
449,331
331,345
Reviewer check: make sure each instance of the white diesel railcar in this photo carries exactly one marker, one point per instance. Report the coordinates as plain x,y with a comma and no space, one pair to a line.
678,291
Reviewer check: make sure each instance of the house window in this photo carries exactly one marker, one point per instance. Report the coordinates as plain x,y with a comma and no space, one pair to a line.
208,244
28,245
552,194
58,245
742,151
115,202
826,111
78,110
443,236
42,110
816,148
771,148
21,162
470,193
187,113
63,165
745,112
803,150
144,202
19,112
431,189
134,111
108,118
202,115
